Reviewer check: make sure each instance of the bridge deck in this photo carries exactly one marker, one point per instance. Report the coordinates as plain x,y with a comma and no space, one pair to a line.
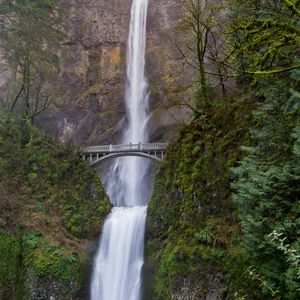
96,154
149,147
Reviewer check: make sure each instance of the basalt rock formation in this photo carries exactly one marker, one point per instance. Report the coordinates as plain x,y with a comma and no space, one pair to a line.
88,95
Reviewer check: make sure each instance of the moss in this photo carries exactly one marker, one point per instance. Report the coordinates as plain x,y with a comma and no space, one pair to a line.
32,253
94,89
9,264
51,202
55,260
191,217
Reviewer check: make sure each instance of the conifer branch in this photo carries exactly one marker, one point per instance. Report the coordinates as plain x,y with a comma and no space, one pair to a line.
292,6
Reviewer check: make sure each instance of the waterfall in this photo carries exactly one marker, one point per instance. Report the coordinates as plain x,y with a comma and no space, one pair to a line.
119,260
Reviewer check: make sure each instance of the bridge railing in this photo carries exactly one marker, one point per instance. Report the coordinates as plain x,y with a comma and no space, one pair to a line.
92,149
154,146
125,148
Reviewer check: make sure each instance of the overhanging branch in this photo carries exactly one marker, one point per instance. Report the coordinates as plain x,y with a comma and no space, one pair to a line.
292,6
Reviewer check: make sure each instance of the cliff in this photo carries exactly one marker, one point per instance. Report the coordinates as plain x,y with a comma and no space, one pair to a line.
194,244
51,210
88,94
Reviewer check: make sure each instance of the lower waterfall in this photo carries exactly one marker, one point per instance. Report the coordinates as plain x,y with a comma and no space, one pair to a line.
119,260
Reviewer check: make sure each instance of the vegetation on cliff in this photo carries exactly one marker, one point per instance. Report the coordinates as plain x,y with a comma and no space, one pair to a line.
192,222
30,33
267,191
224,217
51,203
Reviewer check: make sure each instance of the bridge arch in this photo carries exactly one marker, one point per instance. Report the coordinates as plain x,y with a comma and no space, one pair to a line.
97,154
122,154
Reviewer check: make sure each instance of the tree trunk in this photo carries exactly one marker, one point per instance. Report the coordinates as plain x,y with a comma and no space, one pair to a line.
27,88
202,90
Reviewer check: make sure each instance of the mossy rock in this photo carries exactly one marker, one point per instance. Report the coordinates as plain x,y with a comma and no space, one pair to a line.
51,204
192,226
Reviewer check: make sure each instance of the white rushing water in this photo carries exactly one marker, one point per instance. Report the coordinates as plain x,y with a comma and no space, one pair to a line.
119,260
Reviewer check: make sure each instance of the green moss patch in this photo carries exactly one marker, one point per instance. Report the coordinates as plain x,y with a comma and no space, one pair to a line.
51,203
192,224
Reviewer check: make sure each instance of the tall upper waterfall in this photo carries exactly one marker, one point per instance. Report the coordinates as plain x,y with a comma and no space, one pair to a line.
119,260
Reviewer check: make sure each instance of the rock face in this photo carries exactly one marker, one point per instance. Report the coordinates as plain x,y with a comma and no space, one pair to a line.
208,284
89,91
87,103
194,248
45,288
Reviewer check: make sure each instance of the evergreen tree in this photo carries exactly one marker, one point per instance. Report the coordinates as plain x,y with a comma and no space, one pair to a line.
265,38
268,188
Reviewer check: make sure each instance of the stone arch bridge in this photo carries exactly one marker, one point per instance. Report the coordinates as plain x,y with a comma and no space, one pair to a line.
97,154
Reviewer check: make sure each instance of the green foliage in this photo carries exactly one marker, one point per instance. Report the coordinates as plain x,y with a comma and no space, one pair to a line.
265,35
265,39
205,235
50,200
9,264
268,187
191,216
30,240
43,257
54,260
176,260
53,175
